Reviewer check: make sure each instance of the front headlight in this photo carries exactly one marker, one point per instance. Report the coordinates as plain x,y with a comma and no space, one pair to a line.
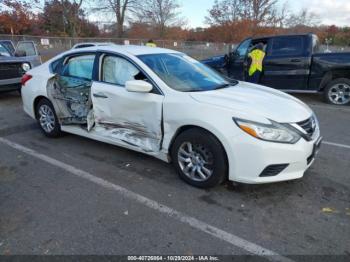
26,67
273,132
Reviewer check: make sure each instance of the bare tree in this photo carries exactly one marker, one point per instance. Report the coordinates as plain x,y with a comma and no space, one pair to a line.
120,9
224,11
260,12
160,14
71,11
303,18
282,15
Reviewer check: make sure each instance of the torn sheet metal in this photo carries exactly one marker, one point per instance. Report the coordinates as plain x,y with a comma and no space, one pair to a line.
90,120
133,118
70,98
131,134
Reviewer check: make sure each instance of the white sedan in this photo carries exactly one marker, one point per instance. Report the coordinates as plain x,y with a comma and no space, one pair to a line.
166,104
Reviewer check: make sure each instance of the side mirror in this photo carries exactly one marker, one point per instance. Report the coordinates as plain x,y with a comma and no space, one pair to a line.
138,86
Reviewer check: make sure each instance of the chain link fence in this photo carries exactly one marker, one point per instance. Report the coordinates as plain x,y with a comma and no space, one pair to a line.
51,46
334,48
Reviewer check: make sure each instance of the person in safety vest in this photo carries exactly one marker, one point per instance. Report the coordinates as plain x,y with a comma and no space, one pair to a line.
256,57
150,43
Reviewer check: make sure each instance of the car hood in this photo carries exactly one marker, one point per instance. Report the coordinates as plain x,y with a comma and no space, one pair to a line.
257,100
9,59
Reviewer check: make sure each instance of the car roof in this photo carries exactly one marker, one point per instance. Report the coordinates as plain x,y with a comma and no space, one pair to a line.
94,43
282,35
130,49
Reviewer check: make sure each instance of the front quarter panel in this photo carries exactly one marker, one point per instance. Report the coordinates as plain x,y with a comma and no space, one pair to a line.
181,110
247,156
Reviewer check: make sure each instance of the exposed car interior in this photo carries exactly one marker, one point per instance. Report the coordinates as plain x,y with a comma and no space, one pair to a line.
70,89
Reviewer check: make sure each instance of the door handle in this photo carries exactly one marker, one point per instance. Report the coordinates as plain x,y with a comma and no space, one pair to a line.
100,95
296,60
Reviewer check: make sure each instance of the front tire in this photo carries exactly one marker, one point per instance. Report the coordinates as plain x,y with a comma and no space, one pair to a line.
47,119
337,92
199,158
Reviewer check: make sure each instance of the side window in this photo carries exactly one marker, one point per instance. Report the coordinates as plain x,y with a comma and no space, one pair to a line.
287,46
79,66
117,70
27,48
243,48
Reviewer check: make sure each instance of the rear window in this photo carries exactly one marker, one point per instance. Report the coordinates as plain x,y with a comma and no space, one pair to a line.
287,46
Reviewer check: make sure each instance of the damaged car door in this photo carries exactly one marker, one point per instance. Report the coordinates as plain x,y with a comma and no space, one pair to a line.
69,90
130,116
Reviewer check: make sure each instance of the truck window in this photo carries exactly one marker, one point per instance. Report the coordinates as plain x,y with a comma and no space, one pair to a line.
243,48
27,48
315,44
4,51
287,46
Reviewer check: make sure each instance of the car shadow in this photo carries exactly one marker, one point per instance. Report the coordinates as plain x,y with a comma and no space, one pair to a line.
9,95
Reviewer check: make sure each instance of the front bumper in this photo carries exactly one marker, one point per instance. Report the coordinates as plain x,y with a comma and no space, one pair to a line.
10,84
249,157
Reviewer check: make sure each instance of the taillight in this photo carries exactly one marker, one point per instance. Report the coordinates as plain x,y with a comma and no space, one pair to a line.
25,78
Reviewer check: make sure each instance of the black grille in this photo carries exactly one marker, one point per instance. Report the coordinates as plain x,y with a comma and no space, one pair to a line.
273,170
10,70
308,125
310,158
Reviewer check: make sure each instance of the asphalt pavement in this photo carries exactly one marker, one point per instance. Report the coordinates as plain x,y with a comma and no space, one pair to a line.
72,195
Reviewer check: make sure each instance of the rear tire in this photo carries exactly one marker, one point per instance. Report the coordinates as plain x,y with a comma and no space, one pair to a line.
199,158
337,92
47,119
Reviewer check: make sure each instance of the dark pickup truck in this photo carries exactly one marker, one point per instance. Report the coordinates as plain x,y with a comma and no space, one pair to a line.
14,62
293,63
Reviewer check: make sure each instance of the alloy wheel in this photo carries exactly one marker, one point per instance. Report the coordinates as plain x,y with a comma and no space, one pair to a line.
339,94
46,118
196,161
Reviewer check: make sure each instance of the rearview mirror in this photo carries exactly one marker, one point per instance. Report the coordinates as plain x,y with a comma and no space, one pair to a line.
138,86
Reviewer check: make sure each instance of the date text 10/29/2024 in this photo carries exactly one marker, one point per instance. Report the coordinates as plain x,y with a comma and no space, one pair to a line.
173,258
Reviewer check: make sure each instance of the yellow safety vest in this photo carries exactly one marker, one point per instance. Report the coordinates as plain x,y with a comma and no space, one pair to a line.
257,57
151,45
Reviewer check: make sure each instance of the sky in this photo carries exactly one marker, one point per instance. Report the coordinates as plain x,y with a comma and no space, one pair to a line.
329,11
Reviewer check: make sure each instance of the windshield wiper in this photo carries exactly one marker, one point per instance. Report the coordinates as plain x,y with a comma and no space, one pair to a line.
222,86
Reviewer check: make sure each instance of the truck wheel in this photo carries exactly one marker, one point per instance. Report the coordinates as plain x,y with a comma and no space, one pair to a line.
199,158
337,92
47,119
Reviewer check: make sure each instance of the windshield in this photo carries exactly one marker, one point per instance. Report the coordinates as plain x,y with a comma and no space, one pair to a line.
183,73
4,51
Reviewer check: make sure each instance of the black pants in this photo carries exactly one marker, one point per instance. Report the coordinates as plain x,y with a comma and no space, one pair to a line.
255,78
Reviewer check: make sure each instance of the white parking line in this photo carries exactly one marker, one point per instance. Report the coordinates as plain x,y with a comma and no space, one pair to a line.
179,216
346,109
336,144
